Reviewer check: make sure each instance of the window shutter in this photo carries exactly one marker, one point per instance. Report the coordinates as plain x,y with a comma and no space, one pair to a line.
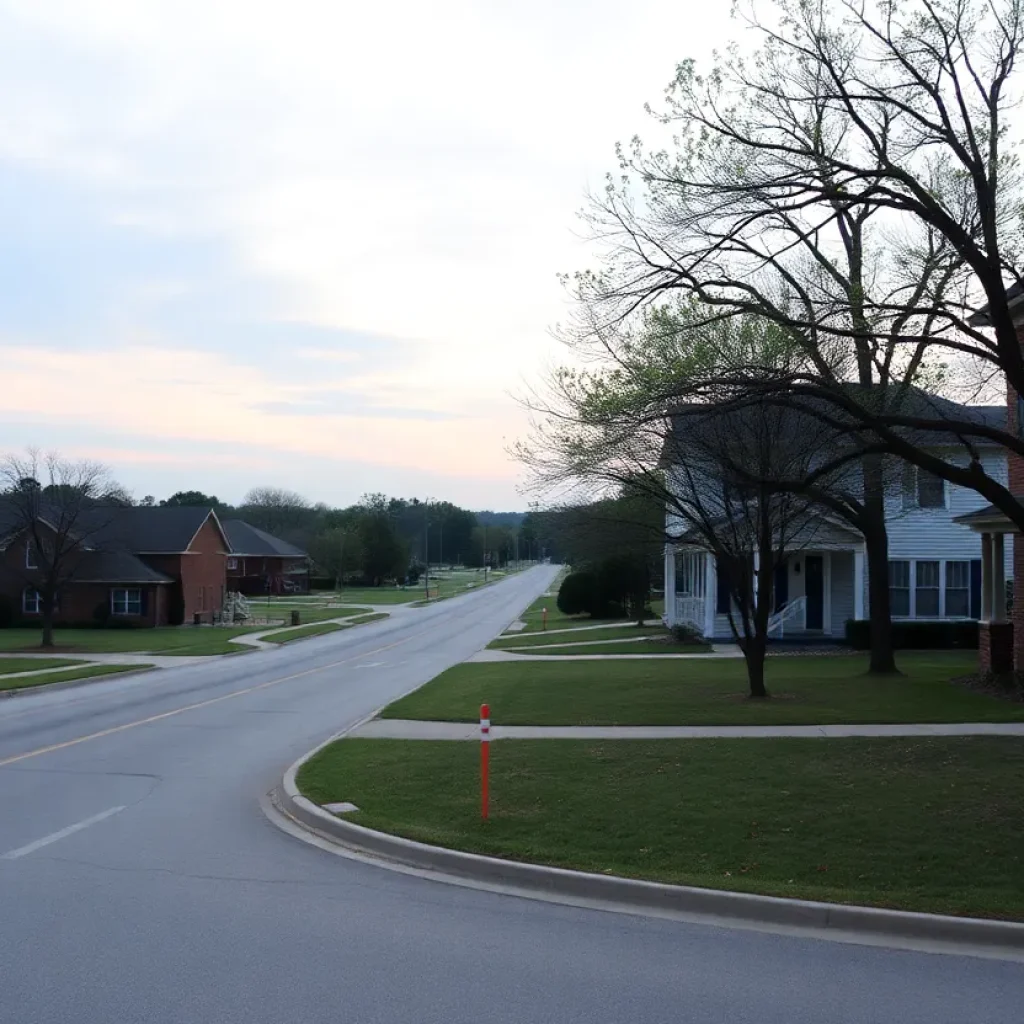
975,588
143,600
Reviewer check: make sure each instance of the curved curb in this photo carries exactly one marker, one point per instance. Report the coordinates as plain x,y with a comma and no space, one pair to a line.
840,922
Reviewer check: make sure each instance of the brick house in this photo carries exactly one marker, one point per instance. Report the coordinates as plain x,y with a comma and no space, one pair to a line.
260,563
153,566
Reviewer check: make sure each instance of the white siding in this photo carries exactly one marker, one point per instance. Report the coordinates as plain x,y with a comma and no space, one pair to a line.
842,591
930,533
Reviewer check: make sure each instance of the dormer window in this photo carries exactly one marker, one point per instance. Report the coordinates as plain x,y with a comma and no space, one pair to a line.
30,556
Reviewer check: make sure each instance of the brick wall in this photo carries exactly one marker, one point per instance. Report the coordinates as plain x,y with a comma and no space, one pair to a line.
203,573
996,647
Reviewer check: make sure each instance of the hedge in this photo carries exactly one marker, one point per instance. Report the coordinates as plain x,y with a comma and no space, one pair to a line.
917,635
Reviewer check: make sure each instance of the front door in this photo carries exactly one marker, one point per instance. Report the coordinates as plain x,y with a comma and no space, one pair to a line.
814,588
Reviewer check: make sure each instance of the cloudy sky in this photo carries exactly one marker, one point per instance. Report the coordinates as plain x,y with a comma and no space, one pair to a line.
310,243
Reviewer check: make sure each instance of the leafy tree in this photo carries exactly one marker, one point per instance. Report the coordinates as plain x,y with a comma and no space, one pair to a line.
197,498
385,554
338,551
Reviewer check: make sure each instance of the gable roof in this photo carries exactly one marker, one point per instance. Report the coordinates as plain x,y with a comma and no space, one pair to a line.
147,529
116,567
799,419
1014,297
249,541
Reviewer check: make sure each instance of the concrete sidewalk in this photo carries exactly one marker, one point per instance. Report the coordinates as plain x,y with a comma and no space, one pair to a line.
519,654
404,729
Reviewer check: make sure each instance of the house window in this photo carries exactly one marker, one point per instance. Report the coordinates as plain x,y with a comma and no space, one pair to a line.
232,563
30,556
126,602
899,589
922,489
30,601
958,581
926,590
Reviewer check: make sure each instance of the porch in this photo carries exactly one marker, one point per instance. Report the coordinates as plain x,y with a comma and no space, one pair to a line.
815,591
999,651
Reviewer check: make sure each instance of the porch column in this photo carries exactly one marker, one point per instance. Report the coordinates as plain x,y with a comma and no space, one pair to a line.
986,577
710,595
858,583
998,579
826,613
670,585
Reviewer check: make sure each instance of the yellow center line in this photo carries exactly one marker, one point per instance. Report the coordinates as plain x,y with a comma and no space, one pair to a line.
201,704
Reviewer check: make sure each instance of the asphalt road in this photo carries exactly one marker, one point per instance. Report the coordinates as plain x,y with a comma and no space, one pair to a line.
177,901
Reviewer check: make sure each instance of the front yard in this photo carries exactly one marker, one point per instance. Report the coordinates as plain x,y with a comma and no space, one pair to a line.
165,640
922,824
814,690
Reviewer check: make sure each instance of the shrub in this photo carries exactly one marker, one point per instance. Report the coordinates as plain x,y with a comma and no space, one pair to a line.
578,594
6,612
910,635
683,634
101,613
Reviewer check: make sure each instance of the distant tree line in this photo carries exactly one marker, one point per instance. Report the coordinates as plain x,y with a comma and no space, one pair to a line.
379,537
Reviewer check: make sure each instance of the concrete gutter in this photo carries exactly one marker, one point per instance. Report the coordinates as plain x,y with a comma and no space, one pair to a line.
837,922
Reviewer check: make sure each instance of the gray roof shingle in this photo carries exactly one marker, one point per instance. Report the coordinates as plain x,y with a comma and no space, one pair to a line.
248,540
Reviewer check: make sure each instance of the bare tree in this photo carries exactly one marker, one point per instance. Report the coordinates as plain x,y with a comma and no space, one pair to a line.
852,181
277,510
49,511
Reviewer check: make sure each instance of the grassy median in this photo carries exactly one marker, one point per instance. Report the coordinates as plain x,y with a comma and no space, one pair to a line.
10,665
923,824
706,691
68,675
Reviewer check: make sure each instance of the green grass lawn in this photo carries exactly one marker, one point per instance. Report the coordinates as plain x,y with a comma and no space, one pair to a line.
304,632
921,824
534,618
10,665
528,639
706,691
85,672
360,620
166,640
638,647
306,612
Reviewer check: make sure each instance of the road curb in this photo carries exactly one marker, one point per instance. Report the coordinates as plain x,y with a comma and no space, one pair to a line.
72,684
932,932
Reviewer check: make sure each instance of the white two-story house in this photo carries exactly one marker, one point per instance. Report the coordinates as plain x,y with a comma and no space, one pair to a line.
934,563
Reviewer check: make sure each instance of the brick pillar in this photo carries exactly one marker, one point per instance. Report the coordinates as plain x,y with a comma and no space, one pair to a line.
995,647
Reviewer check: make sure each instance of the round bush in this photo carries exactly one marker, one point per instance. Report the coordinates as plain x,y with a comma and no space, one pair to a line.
577,594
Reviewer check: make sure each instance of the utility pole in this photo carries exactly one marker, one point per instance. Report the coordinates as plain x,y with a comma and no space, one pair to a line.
426,547
485,552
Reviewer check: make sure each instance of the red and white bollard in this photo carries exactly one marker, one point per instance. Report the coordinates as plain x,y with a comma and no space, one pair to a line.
485,758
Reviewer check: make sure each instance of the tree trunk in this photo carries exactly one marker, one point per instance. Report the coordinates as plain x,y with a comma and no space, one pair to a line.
753,653
876,539
47,617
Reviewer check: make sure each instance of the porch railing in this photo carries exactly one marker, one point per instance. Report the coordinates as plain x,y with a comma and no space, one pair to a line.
690,611
795,609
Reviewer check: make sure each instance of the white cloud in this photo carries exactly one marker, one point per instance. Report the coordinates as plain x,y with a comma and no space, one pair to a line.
402,169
